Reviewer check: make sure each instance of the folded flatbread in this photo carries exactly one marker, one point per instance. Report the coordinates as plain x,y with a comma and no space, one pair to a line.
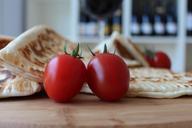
159,83
127,50
30,52
14,85
156,83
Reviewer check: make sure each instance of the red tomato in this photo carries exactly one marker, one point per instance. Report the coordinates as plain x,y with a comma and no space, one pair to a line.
161,60
64,77
108,77
150,60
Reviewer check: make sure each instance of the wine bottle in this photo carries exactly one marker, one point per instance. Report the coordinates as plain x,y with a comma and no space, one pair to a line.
91,28
82,25
146,26
116,21
159,27
171,18
107,26
171,26
189,23
135,26
189,18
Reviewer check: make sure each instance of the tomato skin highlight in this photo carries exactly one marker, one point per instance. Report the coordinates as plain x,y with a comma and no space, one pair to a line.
64,77
108,77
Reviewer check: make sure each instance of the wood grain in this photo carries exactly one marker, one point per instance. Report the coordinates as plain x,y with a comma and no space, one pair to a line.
88,111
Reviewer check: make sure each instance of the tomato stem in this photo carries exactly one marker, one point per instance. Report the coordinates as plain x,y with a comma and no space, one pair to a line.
105,49
65,49
75,52
149,53
93,54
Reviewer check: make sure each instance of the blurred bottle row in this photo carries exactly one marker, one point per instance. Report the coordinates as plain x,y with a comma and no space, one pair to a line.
189,18
154,17
155,26
103,27
149,18
158,25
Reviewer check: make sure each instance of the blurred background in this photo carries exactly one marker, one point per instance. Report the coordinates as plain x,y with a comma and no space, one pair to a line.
156,24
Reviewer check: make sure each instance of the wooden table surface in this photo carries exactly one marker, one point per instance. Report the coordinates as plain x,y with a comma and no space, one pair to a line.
86,111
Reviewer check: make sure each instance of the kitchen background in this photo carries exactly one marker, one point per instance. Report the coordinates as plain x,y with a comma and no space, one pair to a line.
157,24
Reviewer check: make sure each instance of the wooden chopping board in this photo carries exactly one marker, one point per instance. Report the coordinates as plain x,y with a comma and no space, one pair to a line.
87,111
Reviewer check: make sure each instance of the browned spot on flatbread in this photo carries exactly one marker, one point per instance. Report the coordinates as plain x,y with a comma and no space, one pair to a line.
132,79
48,31
4,41
36,72
3,44
123,51
26,53
37,48
53,33
39,63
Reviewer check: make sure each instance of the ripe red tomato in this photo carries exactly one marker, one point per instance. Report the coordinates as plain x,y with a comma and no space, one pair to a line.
150,60
161,60
108,76
64,77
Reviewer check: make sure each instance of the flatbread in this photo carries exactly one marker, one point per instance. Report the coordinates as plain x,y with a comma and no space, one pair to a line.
30,52
159,83
128,51
4,40
156,83
14,85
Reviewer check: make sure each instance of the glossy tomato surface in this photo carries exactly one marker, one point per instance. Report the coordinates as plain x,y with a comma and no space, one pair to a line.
162,60
108,77
150,60
64,77
158,59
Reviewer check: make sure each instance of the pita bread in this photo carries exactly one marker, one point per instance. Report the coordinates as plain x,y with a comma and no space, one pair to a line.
159,83
156,83
14,85
129,52
30,52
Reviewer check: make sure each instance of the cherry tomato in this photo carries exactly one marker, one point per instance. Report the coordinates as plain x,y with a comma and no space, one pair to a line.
158,59
161,60
64,77
108,76
150,60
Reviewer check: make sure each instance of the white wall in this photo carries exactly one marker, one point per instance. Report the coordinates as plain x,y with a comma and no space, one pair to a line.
55,13
11,17
1,17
